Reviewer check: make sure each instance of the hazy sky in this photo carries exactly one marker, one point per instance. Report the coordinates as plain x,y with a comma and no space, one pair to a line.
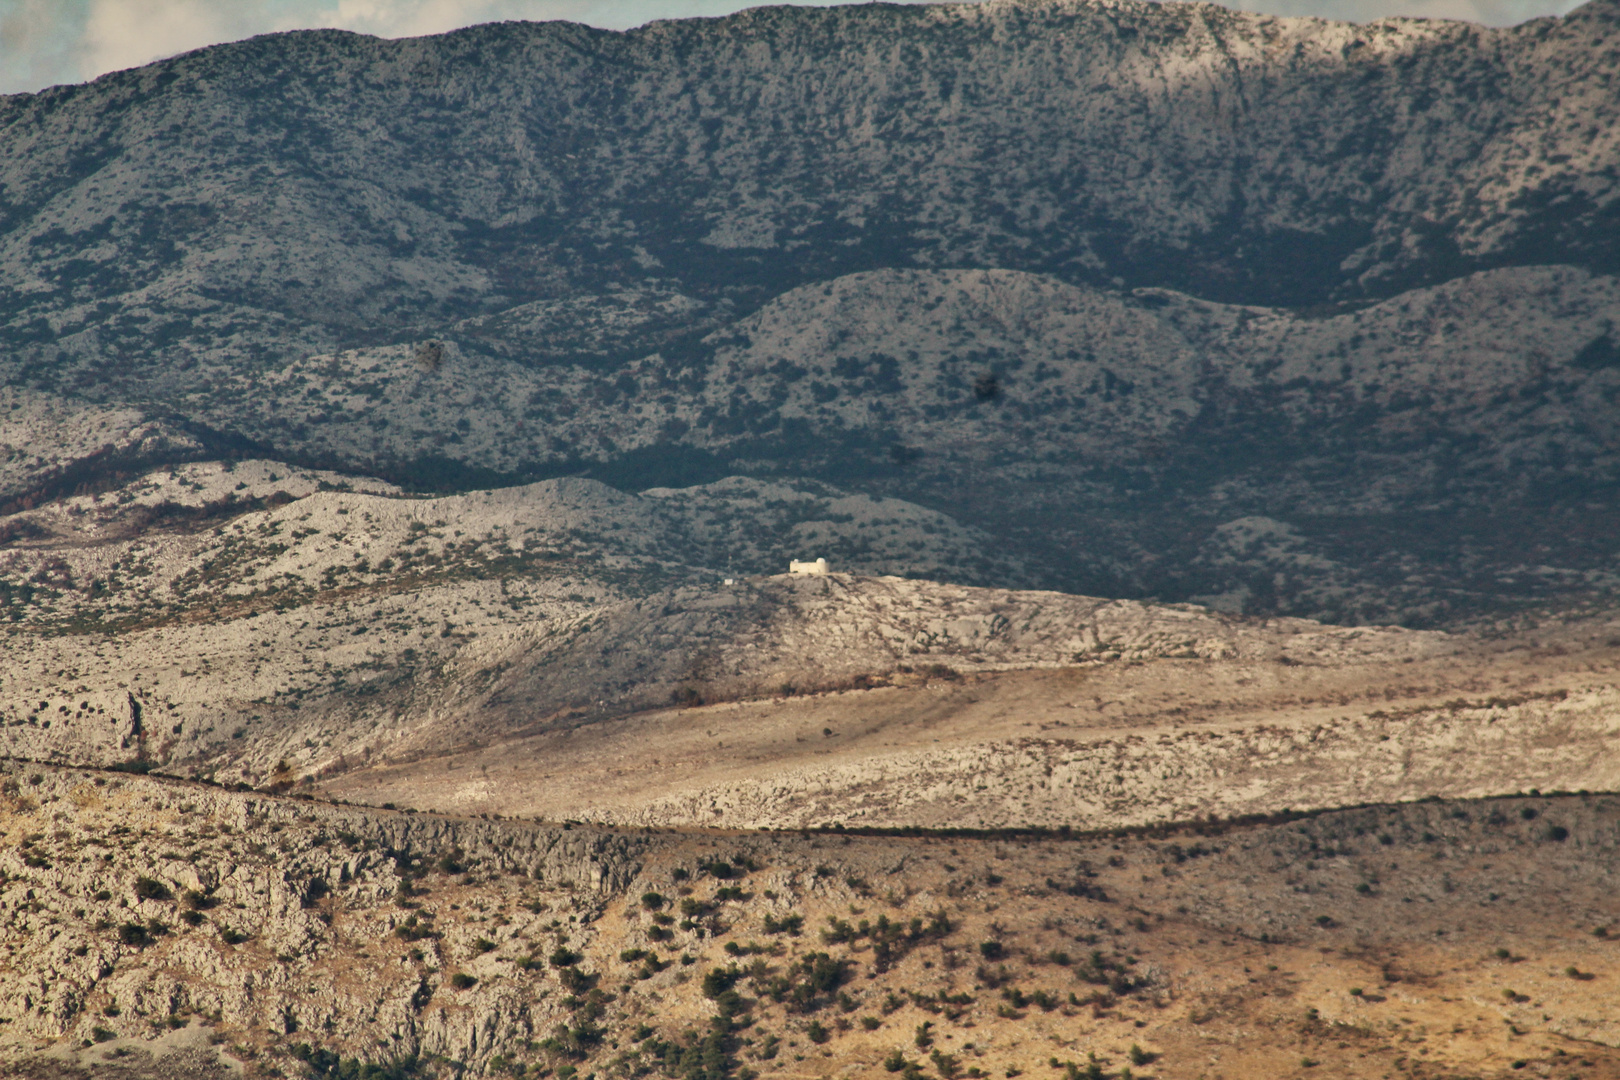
43,42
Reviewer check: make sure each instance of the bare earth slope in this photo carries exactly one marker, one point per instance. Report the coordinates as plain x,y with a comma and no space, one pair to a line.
1268,718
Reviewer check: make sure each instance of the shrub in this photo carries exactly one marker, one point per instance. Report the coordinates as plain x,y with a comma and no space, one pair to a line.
134,934
574,980
719,980
694,908
817,1033
652,901
151,889
327,1065
787,924
564,957
483,945
463,981
992,950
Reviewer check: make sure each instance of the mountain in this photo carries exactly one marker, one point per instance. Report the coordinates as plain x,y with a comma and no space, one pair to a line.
1209,421
1275,314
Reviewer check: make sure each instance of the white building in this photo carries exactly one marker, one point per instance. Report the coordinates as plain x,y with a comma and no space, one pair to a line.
818,567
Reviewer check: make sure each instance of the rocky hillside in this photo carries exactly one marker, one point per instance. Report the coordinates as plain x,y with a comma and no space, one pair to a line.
1279,315
152,926
1237,156
277,623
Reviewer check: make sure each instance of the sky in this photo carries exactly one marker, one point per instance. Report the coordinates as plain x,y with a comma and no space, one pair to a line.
47,42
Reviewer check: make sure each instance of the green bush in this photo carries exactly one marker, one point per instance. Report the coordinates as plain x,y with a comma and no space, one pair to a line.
719,980
151,889
574,980
787,924
327,1065
463,981
135,935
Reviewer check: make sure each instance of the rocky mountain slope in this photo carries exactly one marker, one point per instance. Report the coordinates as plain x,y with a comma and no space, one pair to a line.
568,650
144,919
1283,315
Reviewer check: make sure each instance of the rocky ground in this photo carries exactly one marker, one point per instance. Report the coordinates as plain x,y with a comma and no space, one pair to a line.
1442,938
1228,719
237,616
